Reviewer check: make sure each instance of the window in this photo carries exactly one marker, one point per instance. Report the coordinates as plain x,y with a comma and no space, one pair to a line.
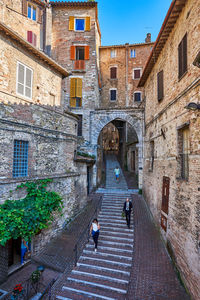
32,12
113,73
52,99
137,73
113,95
76,92
79,24
20,159
32,38
160,86
133,53
183,155
79,54
182,57
24,80
80,125
113,53
137,96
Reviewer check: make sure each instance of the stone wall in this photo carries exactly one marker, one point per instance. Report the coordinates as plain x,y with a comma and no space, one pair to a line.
164,121
46,87
13,17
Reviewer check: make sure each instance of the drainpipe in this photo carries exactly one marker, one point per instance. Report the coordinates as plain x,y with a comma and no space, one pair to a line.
127,48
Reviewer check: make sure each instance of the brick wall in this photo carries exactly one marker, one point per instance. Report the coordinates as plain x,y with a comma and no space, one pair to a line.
125,83
62,40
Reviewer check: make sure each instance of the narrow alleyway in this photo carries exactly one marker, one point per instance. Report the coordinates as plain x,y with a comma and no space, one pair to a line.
129,264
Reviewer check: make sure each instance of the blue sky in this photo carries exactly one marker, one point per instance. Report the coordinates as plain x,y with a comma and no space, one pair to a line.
129,21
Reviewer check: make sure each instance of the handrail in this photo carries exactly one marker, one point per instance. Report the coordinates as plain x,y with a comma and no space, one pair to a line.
48,288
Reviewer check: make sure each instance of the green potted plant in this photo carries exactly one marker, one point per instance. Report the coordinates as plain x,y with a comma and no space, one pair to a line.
35,276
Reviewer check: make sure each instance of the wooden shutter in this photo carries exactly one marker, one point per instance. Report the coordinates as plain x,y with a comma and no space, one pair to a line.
39,15
165,194
34,39
136,74
113,73
182,56
72,52
73,92
30,36
71,23
28,86
87,52
24,7
79,88
184,53
160,85
87,24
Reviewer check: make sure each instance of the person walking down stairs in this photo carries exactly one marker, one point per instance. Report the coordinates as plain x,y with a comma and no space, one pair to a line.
94,231
117,173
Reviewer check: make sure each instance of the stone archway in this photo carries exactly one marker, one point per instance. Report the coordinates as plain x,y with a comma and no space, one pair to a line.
100,118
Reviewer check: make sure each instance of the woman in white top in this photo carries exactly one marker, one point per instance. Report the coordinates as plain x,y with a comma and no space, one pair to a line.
94,231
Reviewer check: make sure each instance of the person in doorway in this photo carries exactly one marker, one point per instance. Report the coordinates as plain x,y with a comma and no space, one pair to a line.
117,173
127,210
24,249
94,231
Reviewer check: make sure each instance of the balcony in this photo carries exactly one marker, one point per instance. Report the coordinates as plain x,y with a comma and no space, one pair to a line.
79,65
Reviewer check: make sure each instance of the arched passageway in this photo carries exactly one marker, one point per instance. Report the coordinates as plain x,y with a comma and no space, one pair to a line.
118,138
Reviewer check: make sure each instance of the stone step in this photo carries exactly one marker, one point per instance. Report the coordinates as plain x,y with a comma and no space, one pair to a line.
116,238
98,283
105,254
113,225
100,271
111,249
105,261
88,292
100,276
112,243
111,269
117,233
116,229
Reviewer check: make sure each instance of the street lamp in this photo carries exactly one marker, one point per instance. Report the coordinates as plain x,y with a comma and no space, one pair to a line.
193,106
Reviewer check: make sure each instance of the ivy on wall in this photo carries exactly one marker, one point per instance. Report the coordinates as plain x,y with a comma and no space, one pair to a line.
26,217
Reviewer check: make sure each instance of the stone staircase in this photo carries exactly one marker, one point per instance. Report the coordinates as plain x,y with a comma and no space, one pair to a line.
104,274
111,183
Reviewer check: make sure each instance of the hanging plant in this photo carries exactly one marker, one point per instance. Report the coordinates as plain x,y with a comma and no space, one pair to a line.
35,276
26,217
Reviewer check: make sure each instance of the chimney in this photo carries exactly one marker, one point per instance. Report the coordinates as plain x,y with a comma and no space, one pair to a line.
148,38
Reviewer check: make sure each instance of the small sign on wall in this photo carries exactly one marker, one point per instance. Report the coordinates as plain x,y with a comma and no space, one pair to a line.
163,222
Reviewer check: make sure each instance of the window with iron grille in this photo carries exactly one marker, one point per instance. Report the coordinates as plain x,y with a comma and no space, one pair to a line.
113,95
182,57
137,96
113,73
160,86
20,158
183,153
80,125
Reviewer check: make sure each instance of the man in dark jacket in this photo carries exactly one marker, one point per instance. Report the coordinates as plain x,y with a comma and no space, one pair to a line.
127,210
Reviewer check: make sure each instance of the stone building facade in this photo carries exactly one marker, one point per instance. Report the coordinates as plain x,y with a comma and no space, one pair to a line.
121,68
76,38
38,135
172,138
